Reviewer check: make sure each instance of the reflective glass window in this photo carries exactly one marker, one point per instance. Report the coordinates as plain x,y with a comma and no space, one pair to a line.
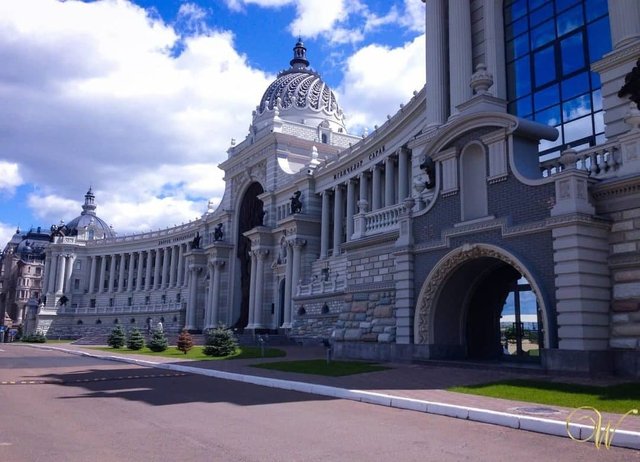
533,4
541,14
545,98
550,116
543,34
516,10
576,108
570,20
522,106
520,77
572,54
544,66
599,39
564,4
577,129
575,85
597,100
595,9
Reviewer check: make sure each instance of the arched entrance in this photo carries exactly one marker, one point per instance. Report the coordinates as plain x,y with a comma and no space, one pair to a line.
250,215
481,303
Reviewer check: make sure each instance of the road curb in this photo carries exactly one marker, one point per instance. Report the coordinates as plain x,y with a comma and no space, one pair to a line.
623,438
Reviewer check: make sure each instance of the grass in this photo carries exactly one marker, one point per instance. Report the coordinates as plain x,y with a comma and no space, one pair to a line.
615,398
196,353
320,367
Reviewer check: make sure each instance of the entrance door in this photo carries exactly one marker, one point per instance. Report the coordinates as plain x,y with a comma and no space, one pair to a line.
520,326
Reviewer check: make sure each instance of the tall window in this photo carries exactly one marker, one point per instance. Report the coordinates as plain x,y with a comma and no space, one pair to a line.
550,46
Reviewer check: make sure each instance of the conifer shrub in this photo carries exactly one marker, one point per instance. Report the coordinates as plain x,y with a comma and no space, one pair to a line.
116,338
37,337
158,341
185,341
220,342
135,340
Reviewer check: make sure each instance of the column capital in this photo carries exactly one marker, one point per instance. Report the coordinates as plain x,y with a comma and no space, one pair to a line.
216,262
297,243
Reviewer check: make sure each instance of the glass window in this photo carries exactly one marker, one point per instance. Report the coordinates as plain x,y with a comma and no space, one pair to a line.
522,107
597,100
518,27
577,129
516,10
576,108
572,53
596,9
564,4
544,66
519,77
543,34
575,86
599,39
549,116
545,98
541,14
518,47
570,20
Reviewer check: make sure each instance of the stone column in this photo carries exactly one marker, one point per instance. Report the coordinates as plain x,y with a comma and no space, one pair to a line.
193,297
363,201
389,182
324,232
375,193
147,277
295,270
180,278
68,272
92,275
209,299
166,256
121,273
139,286
460,59
437,69
156,270
103,273
112,273
172,269
61,275
215,304
131,272
403,174
338,214
351,205
51,285
494,46
261,255
624,18
252,291
288,284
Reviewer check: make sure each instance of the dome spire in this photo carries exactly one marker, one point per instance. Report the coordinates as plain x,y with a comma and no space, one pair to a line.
299,60
89,207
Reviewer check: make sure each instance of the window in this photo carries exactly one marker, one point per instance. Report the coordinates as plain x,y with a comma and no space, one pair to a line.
178,298
92,303
550,46
111,302
76,284
78,265
38,271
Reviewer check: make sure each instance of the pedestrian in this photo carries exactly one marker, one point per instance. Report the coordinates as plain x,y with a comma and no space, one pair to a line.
160,326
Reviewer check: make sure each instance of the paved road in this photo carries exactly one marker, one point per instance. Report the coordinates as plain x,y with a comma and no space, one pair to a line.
82,409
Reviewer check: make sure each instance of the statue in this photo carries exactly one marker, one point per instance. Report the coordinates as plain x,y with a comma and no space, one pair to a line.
63,300
296,203
430,169
58,231
218,235
195,244
631,85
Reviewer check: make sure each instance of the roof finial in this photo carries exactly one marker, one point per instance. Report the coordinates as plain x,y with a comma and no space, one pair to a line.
299,60
89,207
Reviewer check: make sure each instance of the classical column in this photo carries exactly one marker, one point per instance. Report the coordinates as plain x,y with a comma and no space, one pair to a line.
112,272
258,296
121,272
324,231
389,182
68,272
460,59
252,290
209,298
295,270
180,278
288,284
494,45
139,273
61,266
375,193
437,69
46,274
172,268
363,202
624,19
193,296
338,214
156,270
131,272
103,273
351,206
403,174
51,286
147,277
215,307
92,275
166,256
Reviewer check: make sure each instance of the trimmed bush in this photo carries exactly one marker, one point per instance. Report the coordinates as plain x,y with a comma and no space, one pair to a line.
220,342
185,341
135,340
158,341
38,337
116,338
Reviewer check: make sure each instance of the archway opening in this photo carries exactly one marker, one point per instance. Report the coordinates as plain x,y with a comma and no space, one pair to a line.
486,310
250,215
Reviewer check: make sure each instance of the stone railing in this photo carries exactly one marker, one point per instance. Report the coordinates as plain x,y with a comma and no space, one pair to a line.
599,161
150,308
192,226
382,220
321,287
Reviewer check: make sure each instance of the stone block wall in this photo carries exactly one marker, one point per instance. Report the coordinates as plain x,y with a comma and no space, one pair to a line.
367,317
316,318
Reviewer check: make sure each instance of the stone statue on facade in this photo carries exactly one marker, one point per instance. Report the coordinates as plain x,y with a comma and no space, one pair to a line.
218,234
631,87
195,243
296,203
430,170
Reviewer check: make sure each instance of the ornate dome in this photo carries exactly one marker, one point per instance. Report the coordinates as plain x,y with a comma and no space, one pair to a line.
302,92
88,225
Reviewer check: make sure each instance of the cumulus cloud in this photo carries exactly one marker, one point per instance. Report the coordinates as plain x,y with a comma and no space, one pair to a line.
10,177
371,91
94,94
6,232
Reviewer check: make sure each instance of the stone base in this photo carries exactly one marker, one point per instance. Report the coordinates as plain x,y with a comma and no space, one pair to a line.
627,363
579,362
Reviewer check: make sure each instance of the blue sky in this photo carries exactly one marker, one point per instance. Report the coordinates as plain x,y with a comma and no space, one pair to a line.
140,99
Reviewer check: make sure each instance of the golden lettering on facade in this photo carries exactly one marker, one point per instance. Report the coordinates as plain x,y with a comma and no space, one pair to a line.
599,434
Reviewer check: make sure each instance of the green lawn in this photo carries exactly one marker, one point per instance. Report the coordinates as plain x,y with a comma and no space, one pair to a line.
320,367
196,353
615,398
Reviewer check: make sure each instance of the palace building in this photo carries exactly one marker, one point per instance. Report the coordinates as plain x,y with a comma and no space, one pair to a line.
494,216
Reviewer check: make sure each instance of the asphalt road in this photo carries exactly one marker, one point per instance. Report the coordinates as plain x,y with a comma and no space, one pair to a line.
69,408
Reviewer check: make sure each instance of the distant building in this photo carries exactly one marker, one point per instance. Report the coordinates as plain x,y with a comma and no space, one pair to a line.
507,189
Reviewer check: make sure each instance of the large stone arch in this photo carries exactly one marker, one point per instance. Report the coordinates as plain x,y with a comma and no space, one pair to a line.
428,298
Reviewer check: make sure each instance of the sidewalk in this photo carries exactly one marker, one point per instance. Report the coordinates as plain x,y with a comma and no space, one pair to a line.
418,387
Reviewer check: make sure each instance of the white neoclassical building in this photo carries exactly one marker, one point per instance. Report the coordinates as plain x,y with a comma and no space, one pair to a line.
494,216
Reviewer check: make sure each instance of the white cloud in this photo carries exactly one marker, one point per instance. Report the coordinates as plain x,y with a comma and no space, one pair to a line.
378,79
6,233
10,177
94,94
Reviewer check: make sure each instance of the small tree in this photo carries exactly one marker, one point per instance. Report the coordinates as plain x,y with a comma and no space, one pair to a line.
185,341
116,338
220,342
135,340
158,341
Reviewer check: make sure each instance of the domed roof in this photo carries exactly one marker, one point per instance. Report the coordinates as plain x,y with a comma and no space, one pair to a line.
88,222
300,88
